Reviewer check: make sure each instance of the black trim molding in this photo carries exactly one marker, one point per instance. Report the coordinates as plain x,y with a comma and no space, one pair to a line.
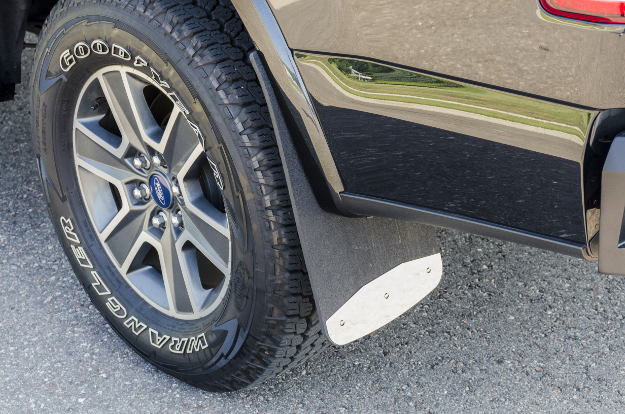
371,206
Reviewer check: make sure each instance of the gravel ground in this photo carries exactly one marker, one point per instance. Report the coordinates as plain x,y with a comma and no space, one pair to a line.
510,328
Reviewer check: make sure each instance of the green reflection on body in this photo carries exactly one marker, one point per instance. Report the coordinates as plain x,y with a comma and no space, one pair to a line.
375,81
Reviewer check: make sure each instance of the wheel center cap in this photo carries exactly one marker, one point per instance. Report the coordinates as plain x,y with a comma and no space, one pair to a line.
161,191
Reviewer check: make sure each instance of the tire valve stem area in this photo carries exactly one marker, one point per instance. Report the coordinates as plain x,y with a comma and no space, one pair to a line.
97,103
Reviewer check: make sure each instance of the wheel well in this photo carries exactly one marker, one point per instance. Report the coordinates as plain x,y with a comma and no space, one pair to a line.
606,126
17,17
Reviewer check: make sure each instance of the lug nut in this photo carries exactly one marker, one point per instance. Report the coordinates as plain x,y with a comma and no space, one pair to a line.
141,192
141,161
159,220
176,219
175,188
158,160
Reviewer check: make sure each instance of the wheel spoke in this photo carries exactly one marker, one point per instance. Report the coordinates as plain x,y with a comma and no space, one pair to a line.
174,273
124,231
179,142
94,157
125,99
210,241
202,213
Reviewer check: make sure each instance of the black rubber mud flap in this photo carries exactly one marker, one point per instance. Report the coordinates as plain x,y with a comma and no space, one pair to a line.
364,272
612,221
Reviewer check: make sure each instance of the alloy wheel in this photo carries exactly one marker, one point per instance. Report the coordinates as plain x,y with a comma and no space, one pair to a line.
151,194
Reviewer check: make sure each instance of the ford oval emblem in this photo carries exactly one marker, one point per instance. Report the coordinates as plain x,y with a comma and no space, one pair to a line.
161,193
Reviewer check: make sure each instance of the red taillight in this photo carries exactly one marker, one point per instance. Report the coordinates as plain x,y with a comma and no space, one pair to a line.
599,11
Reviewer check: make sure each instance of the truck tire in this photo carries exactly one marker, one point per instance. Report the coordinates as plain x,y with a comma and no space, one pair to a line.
165,185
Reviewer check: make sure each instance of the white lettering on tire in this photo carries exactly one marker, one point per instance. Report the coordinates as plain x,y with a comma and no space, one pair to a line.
197,343
197,131
177,345
174,96
157,78
116,308
135,326
216,173
68,229
98,285
81,256
100,47
157,341
82,50
139,61
120,52
67,61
